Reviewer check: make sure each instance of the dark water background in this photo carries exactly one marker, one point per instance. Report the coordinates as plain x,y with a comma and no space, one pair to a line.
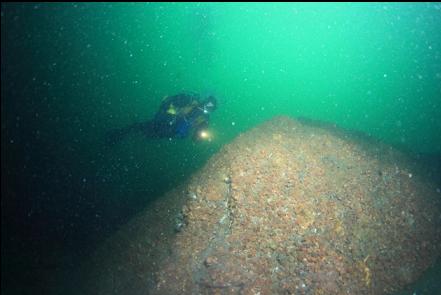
70,72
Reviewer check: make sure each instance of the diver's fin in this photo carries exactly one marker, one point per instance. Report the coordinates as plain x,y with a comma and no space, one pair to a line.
115,136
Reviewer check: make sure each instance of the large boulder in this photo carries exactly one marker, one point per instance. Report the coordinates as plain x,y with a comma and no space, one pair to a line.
290,207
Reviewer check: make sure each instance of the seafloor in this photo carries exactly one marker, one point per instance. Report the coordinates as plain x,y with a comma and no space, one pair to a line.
290,207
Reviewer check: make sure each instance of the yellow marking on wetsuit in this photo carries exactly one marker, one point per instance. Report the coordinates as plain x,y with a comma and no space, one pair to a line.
199,121
171,110
186,110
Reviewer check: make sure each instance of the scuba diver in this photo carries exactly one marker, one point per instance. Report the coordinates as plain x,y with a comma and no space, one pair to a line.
179,116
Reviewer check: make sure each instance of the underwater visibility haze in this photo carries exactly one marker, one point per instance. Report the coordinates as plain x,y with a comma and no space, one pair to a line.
73,72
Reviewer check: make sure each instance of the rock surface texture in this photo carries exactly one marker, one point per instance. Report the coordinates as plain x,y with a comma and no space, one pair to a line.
290,207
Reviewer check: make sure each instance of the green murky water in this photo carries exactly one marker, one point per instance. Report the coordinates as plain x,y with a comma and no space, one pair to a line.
71,72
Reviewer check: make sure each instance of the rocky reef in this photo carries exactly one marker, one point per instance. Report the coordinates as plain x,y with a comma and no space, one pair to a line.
289,207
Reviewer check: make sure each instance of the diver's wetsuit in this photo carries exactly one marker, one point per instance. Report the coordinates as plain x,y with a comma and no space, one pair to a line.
178,116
